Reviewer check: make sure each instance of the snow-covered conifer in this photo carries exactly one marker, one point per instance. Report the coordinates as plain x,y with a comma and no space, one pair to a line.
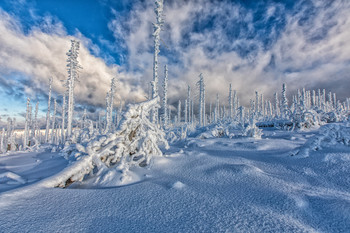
63,134
53,127
2,141
26,126
276,105
73,75
189,104
156,34
256,102
217,109
234,104
47,131
179,112
165,97
185,111
241,115
109,106
284,107
230,104
313,99
201,86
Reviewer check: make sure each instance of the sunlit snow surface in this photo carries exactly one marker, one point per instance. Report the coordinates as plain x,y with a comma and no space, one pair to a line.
203,185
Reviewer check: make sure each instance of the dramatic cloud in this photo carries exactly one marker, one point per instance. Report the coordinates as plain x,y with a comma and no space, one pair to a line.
251,44
36,55
254,47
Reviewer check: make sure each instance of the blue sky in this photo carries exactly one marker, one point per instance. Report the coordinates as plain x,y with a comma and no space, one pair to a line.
255,45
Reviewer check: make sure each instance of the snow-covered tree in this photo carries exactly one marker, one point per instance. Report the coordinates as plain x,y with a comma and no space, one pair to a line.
179,112
217,109
189,105
2,141
47,131
26,126
109,106
256,102
276,105
234,104
230,104
53,127
165,97
201,86
135,143
185,111
63,126
73,75
284,104
156,34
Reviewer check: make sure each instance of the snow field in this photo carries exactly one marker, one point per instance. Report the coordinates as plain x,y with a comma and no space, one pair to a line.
201,185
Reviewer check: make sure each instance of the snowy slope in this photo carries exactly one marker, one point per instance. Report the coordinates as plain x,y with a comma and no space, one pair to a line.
203,185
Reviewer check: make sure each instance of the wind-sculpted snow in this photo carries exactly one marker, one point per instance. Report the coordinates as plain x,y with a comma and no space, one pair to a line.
329,136
237,184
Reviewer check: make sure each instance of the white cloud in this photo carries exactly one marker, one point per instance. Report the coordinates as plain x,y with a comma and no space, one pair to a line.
313,53
41,53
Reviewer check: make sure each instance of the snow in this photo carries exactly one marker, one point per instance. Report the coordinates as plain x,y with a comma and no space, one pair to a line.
237,184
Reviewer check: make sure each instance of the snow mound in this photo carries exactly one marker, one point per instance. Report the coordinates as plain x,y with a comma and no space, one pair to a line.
330,135
178,185
11,178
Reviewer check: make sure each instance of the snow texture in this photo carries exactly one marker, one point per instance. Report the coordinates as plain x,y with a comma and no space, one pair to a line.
219,184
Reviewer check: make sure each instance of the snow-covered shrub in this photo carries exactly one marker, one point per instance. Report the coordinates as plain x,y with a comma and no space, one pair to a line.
133,144
304,119
213,131
218,130
330,117
137,137
252,131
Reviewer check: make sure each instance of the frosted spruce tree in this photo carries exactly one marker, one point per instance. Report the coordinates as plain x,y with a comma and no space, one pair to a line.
135,143
189,105
284,104
47,130
276,105
36,135
63,126
156,34
53,127
179,112
165,97
26,126
2,141
73,75
201,86
109,106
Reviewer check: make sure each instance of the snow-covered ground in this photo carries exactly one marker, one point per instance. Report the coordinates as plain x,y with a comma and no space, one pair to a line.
284,182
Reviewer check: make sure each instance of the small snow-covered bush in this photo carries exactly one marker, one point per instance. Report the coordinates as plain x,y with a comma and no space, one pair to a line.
133,144
252,131
304,119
